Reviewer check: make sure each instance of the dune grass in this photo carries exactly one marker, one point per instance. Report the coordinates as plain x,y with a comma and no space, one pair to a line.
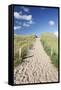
25,42
50,44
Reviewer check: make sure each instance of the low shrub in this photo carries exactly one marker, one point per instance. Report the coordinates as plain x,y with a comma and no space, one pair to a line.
21,45
48,50
50,44
54,59
24,50
17,62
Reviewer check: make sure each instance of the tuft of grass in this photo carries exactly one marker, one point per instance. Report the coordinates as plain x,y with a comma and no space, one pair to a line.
50,44
54,58
24,50
25,42
17,62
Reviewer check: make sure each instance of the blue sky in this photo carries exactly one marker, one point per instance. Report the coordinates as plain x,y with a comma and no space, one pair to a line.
35,20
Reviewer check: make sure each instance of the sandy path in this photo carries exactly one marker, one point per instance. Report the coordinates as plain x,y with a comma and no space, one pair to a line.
37,68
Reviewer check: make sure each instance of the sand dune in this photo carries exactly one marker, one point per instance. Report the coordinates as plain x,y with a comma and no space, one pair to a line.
36,68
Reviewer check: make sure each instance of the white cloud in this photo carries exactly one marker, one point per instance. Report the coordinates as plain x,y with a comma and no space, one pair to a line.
25,9
31,22
17,27
17,22
16,15
56,33
20,12
23,17
26,25
51,23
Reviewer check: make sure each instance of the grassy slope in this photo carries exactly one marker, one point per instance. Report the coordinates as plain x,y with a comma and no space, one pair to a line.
50,43
24,42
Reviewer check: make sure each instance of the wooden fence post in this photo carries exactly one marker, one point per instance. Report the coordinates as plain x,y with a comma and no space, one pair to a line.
19,53
51,51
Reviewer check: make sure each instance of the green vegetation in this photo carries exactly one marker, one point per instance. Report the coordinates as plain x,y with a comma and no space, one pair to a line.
50,43
23,42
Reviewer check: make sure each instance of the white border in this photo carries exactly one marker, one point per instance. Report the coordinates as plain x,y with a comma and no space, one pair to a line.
4,43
